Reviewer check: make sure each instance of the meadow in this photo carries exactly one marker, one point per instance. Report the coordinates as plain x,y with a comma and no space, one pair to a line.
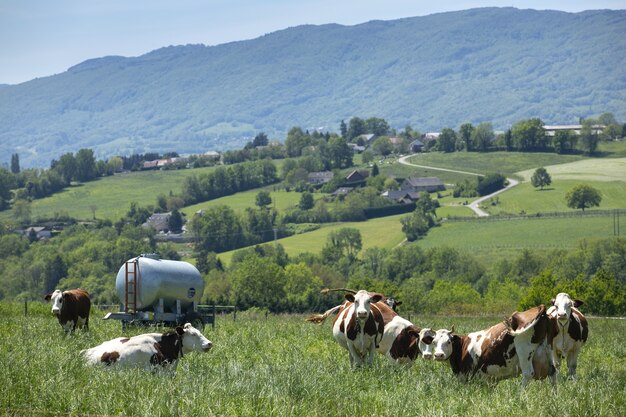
383,232
282,366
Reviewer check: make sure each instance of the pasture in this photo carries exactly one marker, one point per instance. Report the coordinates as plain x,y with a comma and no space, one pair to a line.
111,196
282,366
281,200
383,232
491,239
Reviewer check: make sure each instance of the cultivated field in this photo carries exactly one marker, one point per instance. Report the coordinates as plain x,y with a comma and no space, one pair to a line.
283,366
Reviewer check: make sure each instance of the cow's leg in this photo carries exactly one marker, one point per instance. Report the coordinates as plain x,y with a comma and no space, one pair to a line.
572,359
68,326
355,358
525,352
82,323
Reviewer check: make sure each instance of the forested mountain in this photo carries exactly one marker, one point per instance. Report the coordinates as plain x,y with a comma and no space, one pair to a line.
493,64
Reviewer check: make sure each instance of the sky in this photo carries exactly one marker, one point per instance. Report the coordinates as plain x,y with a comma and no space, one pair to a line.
45,37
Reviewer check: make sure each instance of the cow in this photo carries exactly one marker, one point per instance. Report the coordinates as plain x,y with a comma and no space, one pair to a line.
71,308
570,331
389,300
150,350
359,326
401,341
501,351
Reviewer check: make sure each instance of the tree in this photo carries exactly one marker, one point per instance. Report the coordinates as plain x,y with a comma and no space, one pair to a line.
376,126
263,199
343,243
343,129
356,127
260,140
382,146
490,183
85,165
482,136
6,183
22,210
589,137
175,222
447,140
15,163
541,178
583,196
306,201
465,134
528,135
258,282
375,170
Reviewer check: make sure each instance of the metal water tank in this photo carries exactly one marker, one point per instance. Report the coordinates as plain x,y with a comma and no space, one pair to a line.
160,278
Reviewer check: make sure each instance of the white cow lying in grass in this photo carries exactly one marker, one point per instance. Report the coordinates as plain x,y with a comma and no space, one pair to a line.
149,350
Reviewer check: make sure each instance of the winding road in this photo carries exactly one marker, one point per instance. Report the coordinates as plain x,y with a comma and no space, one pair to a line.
474,205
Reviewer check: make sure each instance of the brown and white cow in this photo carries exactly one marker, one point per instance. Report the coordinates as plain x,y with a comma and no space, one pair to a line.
71,308
570,331
500,351
403,342
150,350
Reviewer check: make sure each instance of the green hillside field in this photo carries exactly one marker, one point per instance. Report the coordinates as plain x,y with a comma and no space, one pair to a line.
606,175
384,232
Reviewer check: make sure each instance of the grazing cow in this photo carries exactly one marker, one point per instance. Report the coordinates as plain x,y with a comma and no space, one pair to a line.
149,350
71,308
500,351
571,331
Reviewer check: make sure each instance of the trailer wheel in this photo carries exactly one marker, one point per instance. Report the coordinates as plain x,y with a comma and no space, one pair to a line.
196,320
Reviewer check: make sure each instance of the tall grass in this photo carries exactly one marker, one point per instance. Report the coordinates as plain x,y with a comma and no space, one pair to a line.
282,366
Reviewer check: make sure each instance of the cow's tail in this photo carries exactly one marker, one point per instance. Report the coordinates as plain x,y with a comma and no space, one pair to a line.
517,324
327,290
320,318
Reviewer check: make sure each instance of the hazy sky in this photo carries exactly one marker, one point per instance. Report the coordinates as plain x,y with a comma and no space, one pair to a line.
45,37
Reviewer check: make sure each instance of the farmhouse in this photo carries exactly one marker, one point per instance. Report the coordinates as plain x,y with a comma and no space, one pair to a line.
342,191
428,184
320,177
551,130
416,146
41,232
401,196
357,175
159,221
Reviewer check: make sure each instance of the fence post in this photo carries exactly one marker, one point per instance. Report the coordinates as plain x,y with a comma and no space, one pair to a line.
235,314
25,308
214,316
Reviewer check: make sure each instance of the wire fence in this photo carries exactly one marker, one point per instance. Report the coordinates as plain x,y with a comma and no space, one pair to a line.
615,213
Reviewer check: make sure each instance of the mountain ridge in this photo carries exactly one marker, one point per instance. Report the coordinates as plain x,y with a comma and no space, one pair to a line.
489,64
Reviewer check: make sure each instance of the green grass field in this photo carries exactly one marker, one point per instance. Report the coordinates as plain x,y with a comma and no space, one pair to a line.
111,195
384,232
606,175
491,239
282,366
281,200
506,163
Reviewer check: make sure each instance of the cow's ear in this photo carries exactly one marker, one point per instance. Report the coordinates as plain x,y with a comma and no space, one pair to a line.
452,329
376,298
578,303
552,301
180,330
350,297
413,331
398,303
47,297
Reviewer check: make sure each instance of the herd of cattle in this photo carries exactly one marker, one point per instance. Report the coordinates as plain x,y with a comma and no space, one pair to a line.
532,342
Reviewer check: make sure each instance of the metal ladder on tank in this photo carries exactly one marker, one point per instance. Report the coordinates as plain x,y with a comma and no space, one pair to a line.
132,285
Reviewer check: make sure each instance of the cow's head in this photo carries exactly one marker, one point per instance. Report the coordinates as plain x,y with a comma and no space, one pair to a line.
193,340
392,302
57,301
426,338
443,344
563,307
362,301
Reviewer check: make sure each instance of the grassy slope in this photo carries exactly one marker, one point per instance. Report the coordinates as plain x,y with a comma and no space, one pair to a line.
370,234
111,195
281,200
282,366
606,175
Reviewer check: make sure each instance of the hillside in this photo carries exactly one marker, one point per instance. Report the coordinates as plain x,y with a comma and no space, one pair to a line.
492,64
